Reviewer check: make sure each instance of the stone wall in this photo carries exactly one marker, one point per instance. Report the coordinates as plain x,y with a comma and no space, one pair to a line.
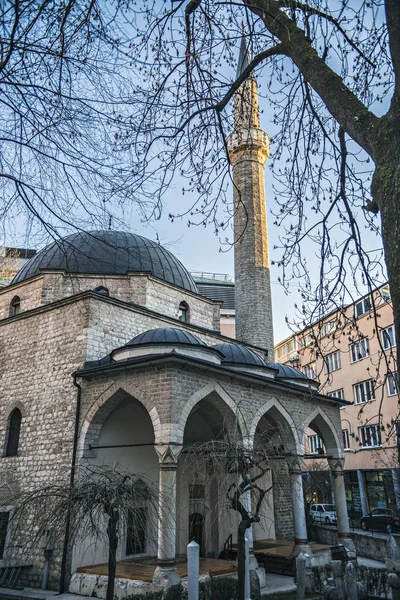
137,288
367,544
40,351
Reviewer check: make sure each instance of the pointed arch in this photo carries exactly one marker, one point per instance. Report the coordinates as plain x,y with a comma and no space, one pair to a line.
100,410
326,429
203,393
274,403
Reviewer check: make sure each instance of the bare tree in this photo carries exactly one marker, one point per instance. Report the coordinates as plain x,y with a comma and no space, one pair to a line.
97,505
64,114
245,476
331,76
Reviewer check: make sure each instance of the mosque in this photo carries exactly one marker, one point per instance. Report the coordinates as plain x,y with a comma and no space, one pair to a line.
111,355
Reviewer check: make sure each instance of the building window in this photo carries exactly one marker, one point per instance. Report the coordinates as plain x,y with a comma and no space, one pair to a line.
388,337
136,531
396,431
183,312
102,291
346,439
359,350
306,340
385,293
315,444
310,371
364,391
332,362
4,520
197,491
363,306
15,306
337,394
328,327
370,436
392,384
13,431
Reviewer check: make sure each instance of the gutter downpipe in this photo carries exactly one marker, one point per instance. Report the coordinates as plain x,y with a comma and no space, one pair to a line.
71,483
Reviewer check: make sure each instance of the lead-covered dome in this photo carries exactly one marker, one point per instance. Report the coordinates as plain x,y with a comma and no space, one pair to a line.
240,355
166,335
286,371
108,253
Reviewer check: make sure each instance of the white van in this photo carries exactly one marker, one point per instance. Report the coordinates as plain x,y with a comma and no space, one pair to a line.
323,513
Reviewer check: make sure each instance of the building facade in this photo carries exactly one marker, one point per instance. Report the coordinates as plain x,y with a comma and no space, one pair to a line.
111,356
352,353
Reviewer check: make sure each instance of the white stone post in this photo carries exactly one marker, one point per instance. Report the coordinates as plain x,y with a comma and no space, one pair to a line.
166,573
343,526
247,595
298,508
363,491
193,557
300,576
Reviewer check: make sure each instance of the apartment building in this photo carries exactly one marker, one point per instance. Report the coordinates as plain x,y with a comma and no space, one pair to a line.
352,353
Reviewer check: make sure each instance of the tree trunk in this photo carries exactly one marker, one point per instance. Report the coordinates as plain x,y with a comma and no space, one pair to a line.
112,552
241,558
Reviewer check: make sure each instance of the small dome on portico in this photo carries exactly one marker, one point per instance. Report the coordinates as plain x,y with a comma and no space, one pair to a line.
167,340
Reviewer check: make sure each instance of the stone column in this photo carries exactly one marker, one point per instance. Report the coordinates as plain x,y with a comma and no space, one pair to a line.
363,491
166,573
396,486
298,508
343,527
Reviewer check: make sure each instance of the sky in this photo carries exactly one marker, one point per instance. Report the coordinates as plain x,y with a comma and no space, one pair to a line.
200,250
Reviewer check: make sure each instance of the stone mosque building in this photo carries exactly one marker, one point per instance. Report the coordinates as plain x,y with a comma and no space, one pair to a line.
110,355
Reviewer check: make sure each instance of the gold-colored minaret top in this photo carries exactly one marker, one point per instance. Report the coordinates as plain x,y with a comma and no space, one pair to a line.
248,149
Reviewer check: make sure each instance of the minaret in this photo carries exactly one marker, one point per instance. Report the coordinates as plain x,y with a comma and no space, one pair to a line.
248,151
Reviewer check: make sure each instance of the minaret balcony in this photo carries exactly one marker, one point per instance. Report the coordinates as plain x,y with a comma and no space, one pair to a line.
246,139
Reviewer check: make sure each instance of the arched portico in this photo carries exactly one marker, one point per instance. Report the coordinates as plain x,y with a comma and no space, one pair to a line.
319,422
275,434
211,428
118,430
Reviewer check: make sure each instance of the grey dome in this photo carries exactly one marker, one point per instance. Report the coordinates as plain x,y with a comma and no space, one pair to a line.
166,335
286,371
240,355
108,253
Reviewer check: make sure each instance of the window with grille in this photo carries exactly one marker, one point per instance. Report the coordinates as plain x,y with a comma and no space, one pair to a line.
370,436
13,432
346,439
4,519
332,362
337,394
359,350
392,384
388,337
362,307
15,306
364,391
315,444
310,371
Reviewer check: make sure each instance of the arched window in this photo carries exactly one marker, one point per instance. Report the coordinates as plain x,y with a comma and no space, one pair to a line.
183,312
103,291
15,306
13,431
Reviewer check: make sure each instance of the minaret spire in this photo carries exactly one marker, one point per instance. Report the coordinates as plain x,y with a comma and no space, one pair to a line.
248,151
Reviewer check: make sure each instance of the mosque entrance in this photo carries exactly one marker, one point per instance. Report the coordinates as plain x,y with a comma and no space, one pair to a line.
196,530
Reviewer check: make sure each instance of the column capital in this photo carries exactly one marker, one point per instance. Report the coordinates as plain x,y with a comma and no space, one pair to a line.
295,464
336,465
168,454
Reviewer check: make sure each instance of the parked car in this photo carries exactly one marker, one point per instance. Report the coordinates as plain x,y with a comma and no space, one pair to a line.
381,519
323,513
